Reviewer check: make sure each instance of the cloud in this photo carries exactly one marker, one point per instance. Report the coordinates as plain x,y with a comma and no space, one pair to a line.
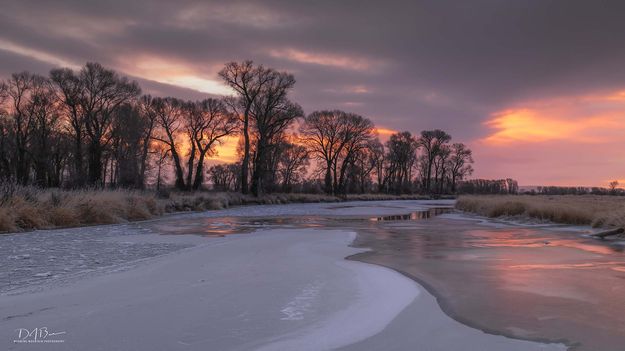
35,54
408,65
591,118
568,140
325,59
530,126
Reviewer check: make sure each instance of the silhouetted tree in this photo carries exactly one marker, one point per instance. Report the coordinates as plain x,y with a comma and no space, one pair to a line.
21,121
431,142
321,131
45,113
92,96
334,138
69,92
402,148
292,163
209,123
169,113
248,81
460,163
272,113
225,177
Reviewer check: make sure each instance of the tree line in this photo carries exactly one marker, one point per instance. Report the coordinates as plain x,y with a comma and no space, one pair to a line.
93,127
612,189
489,186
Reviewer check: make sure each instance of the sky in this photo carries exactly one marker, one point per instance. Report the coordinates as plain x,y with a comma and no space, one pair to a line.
536,88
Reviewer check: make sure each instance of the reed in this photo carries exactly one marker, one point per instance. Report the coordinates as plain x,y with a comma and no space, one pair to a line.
594,210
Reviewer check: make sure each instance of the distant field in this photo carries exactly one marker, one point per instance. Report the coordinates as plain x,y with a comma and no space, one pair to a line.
598,211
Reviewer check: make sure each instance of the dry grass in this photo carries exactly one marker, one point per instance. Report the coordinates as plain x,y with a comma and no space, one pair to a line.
29,208
26,208
598,211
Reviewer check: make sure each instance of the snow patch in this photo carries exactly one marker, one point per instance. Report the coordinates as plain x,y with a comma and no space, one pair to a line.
295,309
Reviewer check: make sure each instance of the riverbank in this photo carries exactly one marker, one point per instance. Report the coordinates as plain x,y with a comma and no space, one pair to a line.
27,208
594,210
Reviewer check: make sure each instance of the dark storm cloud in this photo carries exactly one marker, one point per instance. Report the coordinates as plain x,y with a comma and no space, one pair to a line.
414,65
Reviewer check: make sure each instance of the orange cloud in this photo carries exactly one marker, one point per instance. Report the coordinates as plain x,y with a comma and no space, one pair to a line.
581,119
385,131
568,140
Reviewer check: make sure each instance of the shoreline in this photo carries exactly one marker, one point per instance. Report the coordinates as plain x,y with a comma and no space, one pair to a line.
446,308
157,208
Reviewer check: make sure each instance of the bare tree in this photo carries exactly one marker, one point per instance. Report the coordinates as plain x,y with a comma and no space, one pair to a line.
321,132
131,130
334,137
248,81
612,186
441,167
431,141
149,116
92,96
44,111
70,89
161,152
356,133
19,91
211,122
460,163
104,91
272,113
293,160
169,113
402,148
365,162
225,177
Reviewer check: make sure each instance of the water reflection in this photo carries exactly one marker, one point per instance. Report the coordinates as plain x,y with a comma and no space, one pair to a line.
222,226
523,282
417,215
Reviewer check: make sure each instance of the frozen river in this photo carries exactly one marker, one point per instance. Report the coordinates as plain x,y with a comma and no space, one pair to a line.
275,278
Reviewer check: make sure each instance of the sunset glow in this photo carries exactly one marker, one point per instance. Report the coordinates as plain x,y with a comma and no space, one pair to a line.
573,140
526,125
545,105
227,150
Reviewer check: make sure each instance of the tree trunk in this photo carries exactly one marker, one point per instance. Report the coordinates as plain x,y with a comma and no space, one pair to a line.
79,178
258,174
429,176
246,155
95,163
190,167
328,179
144,157
199,172
178,169
453,183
